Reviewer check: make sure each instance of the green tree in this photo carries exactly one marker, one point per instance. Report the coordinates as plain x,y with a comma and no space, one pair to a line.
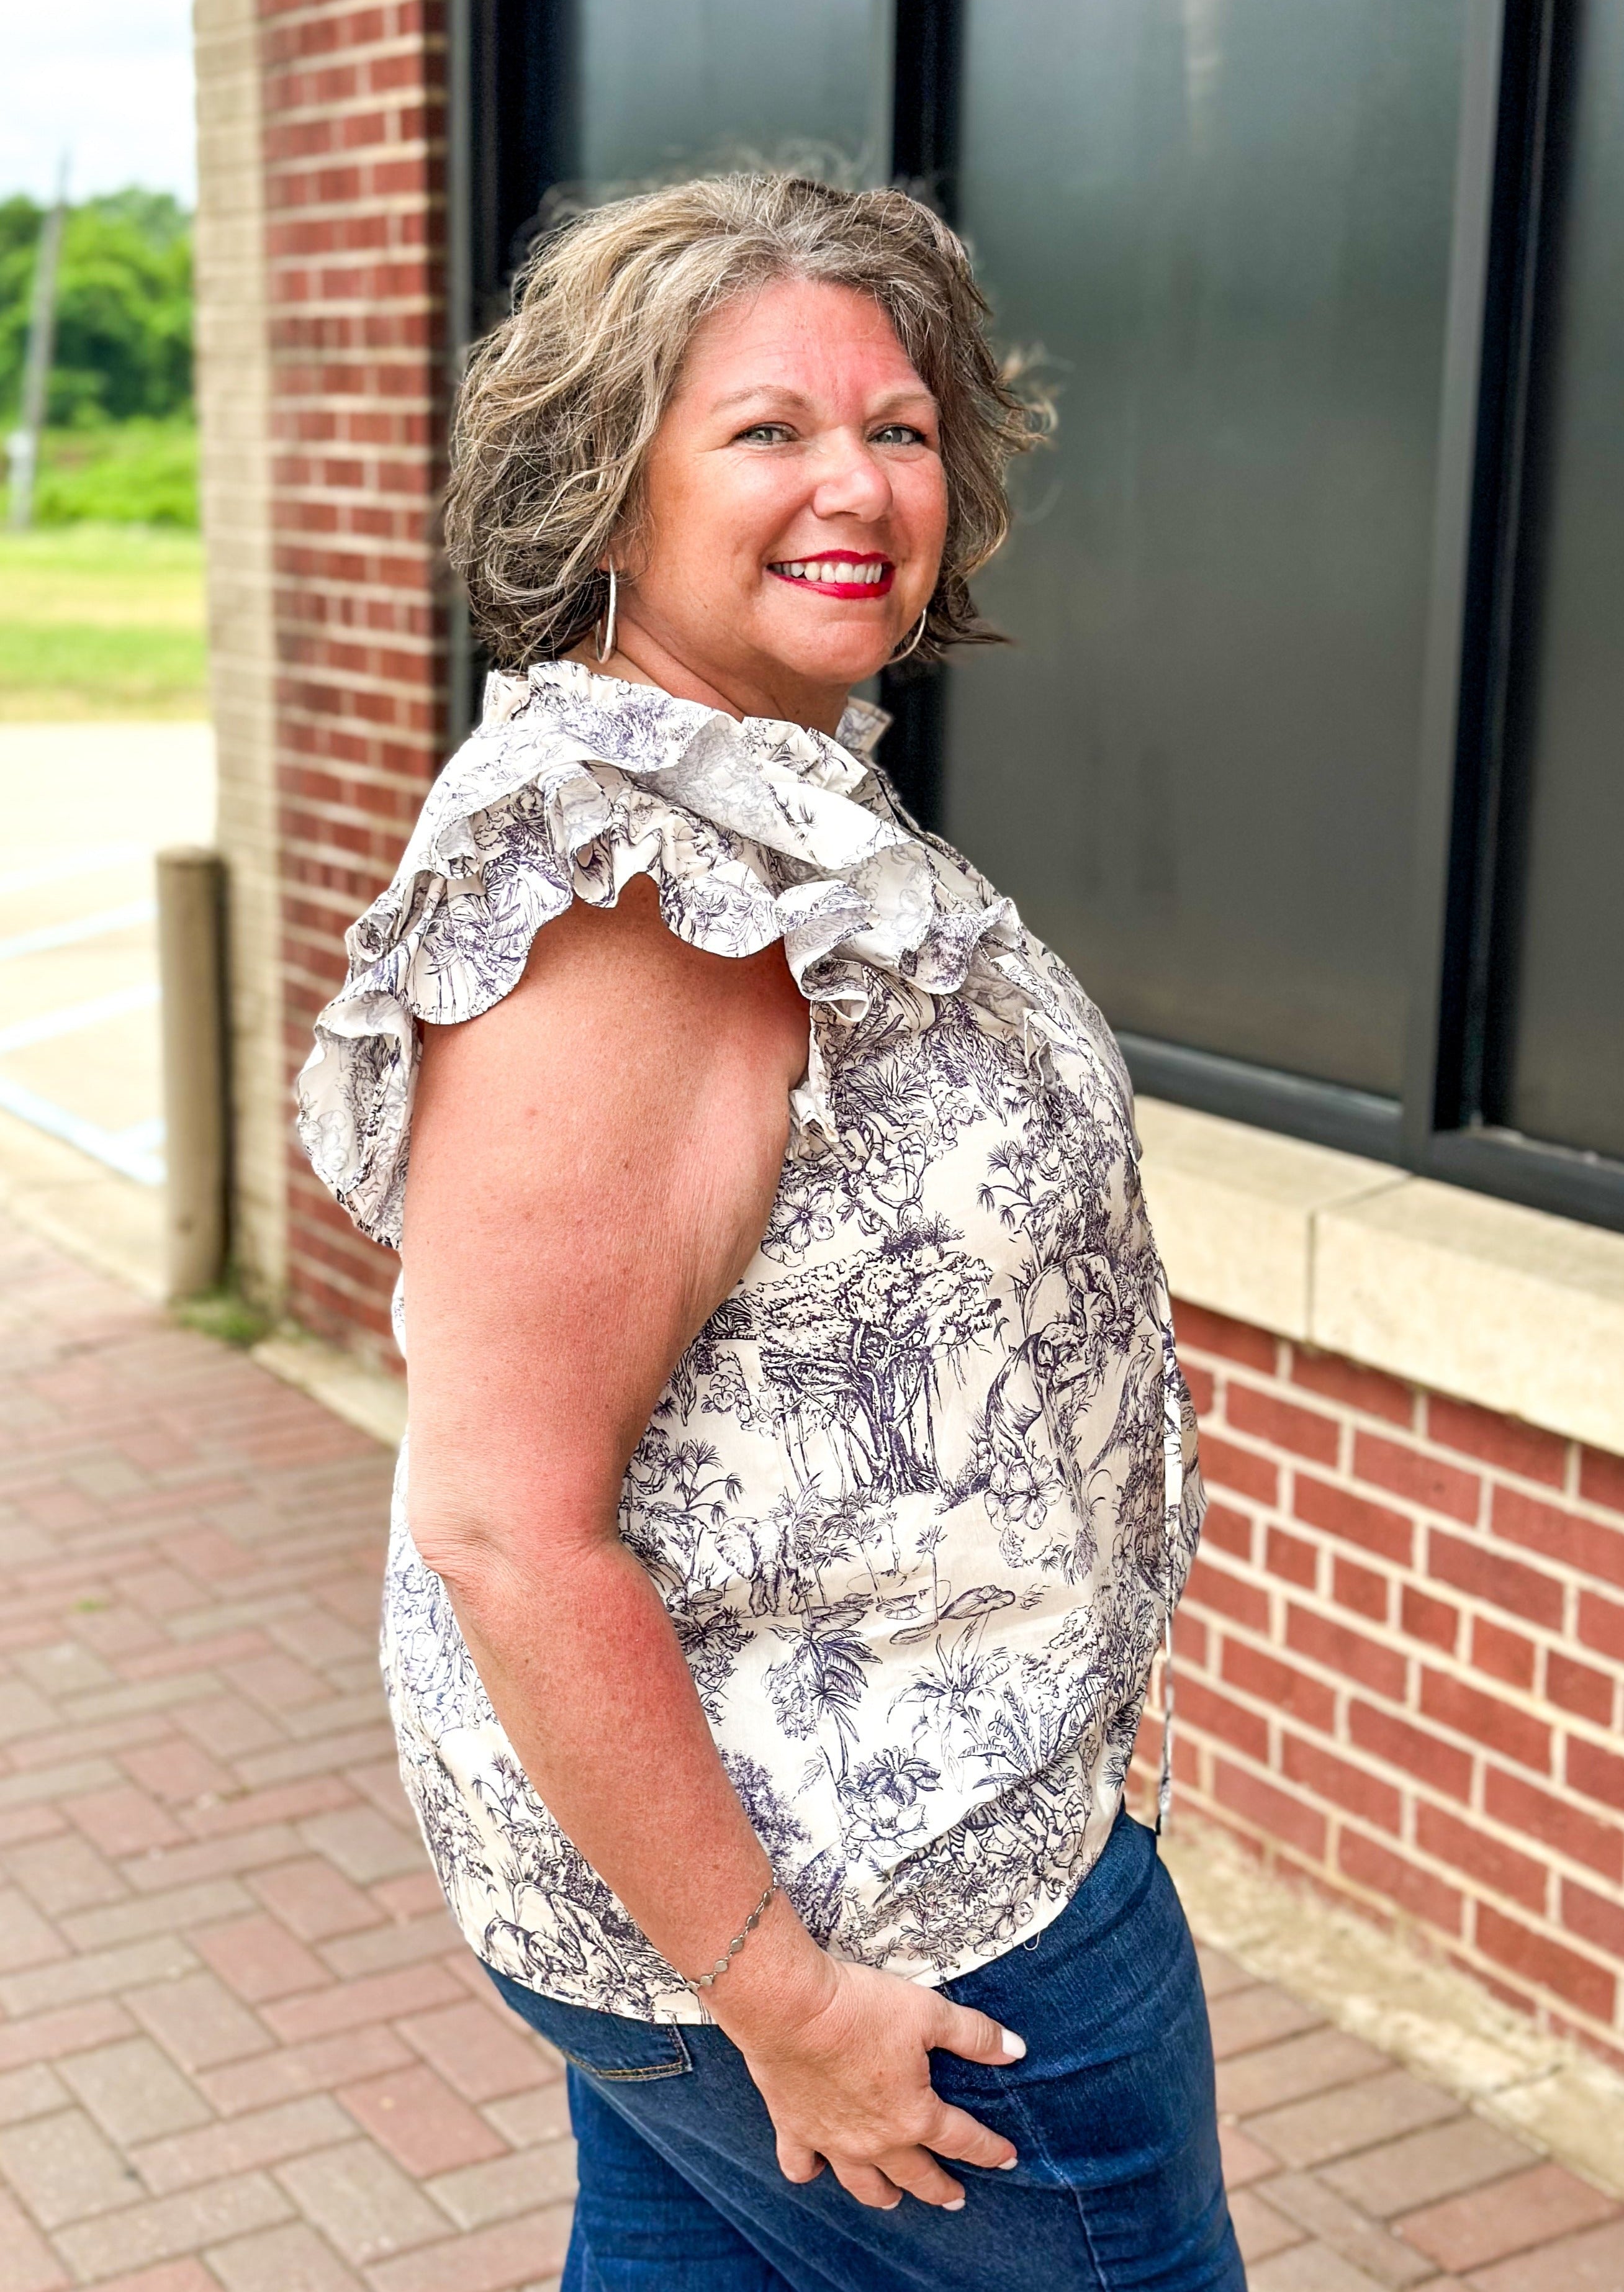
123,312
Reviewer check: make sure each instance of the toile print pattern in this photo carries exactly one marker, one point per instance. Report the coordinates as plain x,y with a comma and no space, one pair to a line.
921,1494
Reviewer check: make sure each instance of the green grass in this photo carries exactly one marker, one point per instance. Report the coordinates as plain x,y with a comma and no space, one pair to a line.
122,473
101,620
225,1315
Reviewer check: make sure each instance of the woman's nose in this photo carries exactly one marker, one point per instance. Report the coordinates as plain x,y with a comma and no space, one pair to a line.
851,482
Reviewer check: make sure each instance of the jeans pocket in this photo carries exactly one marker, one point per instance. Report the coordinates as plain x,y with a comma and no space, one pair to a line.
608,2044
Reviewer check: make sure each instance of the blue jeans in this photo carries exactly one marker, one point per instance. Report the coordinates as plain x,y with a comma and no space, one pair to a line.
1118,2183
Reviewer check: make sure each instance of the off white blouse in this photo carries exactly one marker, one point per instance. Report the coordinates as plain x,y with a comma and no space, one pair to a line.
920,1496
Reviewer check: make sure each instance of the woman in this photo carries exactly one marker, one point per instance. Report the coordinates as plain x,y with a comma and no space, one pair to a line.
801,1476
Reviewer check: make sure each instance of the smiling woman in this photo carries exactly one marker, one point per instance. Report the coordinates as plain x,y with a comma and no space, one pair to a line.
562,402
801,1474
832,446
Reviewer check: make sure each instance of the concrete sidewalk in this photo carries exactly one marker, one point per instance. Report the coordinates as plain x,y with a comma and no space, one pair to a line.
243,2050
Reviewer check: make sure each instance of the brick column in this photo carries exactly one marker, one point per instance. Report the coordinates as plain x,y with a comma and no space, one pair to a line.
354,168
233,407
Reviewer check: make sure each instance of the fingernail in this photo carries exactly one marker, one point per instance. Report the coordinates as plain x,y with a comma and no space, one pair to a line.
1015,2048
891,2207
954,2205
1009,2164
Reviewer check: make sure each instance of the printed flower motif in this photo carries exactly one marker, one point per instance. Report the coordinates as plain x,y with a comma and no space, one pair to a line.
1015,1493
886,1801
809,1210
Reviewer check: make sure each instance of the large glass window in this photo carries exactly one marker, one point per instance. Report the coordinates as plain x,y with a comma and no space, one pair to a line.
594,95
1226,223
665,84
1562,1010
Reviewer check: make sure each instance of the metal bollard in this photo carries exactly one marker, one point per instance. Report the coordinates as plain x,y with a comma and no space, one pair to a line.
191,966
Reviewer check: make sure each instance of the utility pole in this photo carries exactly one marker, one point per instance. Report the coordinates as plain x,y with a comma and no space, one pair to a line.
22,446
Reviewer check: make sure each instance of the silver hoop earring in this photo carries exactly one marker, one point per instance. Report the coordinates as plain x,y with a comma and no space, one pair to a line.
912,641
606,624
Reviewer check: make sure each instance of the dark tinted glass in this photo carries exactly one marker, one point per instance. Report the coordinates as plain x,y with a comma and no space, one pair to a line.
1566,1079
1227,222
665,84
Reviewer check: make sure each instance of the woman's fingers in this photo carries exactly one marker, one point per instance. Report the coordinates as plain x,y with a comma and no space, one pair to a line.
797,2162
956,2134
917,2171
870,2186
974,2037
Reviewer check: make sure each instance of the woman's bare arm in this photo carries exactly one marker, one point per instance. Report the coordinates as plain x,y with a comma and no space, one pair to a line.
592,1164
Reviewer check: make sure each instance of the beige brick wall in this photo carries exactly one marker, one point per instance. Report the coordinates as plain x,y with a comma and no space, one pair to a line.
354,145
233,398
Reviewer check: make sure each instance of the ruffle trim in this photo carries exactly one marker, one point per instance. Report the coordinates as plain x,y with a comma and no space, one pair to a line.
750,831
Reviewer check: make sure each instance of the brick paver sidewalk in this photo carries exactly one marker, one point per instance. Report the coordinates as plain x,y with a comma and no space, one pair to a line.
241,2046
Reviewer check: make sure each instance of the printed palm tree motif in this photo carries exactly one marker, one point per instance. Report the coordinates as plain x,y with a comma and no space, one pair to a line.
821,1678
888,1131
457,1845
930,1543
773,1819
712,1638
681,1490
1034,1724
868,1527
952,1696
862,1349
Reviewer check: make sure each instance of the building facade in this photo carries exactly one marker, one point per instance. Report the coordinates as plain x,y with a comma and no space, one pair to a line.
1318,597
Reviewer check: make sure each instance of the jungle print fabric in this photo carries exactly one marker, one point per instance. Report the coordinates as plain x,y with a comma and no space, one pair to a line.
920,1496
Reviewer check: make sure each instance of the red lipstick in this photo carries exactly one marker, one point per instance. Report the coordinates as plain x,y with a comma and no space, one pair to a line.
868,573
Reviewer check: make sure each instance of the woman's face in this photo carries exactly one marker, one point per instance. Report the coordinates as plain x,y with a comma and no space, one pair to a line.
797,506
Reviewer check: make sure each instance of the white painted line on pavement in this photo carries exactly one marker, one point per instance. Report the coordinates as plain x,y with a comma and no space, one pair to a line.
129,1151
72,1016
78,927
56,870
142,1137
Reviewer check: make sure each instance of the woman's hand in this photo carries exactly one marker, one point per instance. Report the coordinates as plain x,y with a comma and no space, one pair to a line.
848,2084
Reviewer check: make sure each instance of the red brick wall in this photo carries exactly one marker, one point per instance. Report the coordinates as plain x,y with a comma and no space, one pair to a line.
354,142
1400,1662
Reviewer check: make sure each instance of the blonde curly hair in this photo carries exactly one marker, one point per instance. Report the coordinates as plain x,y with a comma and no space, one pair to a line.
561,401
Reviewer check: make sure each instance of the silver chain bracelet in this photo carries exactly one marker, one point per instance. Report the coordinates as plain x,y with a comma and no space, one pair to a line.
707,1980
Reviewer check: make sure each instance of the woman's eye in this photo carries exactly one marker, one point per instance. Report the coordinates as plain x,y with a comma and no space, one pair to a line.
899,433
763,433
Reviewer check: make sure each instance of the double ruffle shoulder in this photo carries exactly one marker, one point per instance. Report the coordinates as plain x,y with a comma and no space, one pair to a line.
751,831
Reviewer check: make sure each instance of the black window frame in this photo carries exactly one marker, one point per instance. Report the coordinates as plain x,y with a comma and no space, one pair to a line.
509,63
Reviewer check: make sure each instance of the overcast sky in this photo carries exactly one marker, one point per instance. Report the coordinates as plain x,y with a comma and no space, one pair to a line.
109,82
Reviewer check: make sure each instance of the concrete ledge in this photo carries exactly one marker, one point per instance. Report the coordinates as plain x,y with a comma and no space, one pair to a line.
1374,1982
364,1397
1509,1307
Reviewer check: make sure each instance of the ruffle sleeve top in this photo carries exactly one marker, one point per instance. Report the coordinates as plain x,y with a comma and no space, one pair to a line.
921,1494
